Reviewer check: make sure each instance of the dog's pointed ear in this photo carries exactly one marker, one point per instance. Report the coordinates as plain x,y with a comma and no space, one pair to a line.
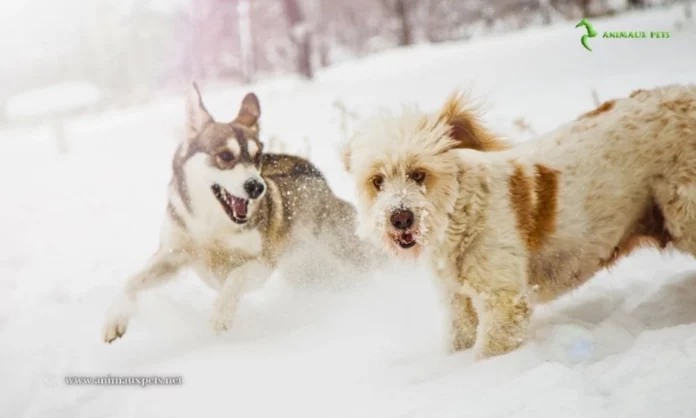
466,128
197,115
249,112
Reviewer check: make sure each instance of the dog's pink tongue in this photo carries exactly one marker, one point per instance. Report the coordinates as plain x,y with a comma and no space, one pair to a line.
240,207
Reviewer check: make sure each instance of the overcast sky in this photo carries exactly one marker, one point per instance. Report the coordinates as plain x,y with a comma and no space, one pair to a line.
31,28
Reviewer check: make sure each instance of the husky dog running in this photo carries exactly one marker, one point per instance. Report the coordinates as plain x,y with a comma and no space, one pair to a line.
234,213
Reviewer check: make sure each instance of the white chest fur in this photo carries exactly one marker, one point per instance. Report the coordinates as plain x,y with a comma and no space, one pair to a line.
219,257
445,271
248,241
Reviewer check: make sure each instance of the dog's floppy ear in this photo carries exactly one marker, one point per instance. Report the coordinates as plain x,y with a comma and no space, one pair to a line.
466,128
197,115
249,112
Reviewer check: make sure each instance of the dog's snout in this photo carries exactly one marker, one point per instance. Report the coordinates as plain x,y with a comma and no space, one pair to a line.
254,188
402,219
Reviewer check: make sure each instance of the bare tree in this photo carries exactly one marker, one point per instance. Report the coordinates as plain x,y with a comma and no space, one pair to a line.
406,33
301,36
324,24
636,4
401,10
246,40
546,8
688,10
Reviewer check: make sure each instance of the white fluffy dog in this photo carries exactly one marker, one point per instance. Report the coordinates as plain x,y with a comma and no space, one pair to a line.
510,227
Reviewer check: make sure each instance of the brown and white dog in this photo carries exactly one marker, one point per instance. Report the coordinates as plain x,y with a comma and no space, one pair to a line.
234,214
505,229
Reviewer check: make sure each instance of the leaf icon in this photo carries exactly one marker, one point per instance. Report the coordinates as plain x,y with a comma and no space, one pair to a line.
591,33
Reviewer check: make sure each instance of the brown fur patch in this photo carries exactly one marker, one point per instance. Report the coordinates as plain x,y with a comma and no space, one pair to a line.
466,127
546,186
604,107
283,165
174,215
637,93
535,202
345,158
648,231
678,106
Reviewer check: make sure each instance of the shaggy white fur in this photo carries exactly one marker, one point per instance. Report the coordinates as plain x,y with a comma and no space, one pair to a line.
506,228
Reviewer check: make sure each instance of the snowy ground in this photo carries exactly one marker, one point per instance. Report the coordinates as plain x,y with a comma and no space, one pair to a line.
73,227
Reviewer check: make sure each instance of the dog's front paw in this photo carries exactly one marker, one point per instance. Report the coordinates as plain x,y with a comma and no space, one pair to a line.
114,328
506,324
463,335
497,347
463,341
220,324
464,323
117,319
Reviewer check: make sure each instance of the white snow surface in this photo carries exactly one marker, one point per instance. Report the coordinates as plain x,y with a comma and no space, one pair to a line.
63,97
74,226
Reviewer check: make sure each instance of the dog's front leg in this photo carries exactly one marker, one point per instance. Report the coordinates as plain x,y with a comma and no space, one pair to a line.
504,316
163,265
237,282
464,322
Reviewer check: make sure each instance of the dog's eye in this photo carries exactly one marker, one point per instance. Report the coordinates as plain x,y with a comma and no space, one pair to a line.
377,182
226,156
418,176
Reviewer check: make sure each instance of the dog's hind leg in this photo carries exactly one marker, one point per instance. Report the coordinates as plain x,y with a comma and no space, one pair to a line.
240,280
678,205
675,189
161,267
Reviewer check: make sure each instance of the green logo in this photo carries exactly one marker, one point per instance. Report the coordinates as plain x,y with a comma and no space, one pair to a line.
591,33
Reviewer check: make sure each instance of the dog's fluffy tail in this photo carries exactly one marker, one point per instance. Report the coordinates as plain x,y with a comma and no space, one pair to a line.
462,116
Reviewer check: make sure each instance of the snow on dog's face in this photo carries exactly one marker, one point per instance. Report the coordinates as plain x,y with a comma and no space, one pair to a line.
221,162
406,175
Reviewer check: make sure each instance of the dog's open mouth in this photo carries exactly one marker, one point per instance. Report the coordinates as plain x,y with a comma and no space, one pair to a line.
235,207
405,240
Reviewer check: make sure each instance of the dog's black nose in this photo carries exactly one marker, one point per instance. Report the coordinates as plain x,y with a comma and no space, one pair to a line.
402,219
254,188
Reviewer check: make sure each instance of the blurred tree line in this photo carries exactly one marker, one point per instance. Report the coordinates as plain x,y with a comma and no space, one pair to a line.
146,47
